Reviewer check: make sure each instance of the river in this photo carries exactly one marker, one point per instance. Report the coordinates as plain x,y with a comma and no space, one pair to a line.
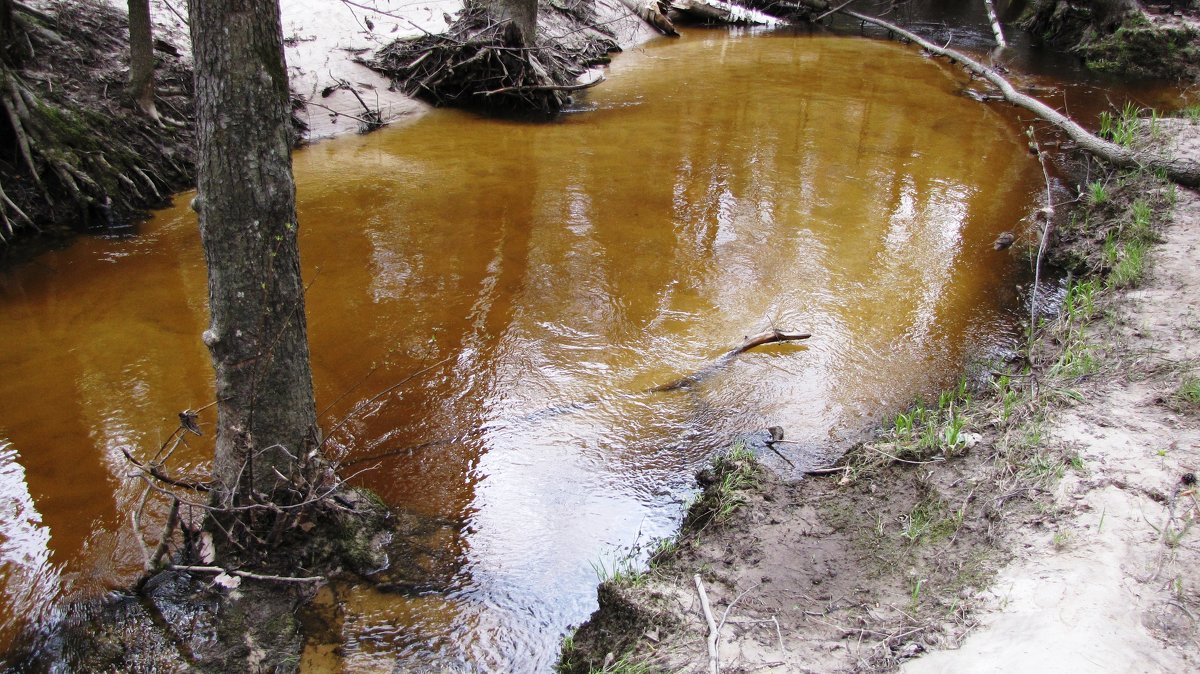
521,286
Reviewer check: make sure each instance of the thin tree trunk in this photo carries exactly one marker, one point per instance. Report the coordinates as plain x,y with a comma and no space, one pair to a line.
266,427
141,58
996,30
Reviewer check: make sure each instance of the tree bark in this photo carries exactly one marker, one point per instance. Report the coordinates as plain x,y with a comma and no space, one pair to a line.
141,58
522,14
267,437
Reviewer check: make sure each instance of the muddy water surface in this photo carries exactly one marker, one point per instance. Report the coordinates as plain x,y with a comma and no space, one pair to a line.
523,284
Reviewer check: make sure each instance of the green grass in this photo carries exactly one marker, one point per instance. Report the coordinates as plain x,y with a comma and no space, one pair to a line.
1131,266
930,520
1121,128
1097,194
1188,392
1141,219
735,472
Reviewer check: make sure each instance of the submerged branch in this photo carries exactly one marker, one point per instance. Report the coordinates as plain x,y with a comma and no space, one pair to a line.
764,338
761,339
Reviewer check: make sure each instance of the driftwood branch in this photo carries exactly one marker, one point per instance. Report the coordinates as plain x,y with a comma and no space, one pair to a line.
546,87
246,574
714,663
753,341
1182,171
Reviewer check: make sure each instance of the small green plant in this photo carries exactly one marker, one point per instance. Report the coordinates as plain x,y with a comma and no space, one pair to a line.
1061,539
1097,193
952,431
623,571
1129,270
904,426
1121,129
1188,392
1042,467
664,550
1192,113
1076,462
733,472
1080,302
1110,251
915,595
1141,219
1077,359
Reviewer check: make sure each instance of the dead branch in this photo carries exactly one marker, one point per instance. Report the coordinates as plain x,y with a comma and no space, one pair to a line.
714,663
246,574
155,471
1180,170
165,539
547,87
1047,227
761,339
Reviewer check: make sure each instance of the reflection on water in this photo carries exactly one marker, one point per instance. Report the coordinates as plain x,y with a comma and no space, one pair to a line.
716,186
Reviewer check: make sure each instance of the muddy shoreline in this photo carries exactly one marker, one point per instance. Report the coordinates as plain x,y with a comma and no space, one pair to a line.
917,540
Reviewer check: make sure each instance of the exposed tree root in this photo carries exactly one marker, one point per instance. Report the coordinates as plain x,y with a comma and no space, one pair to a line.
69,152
480,62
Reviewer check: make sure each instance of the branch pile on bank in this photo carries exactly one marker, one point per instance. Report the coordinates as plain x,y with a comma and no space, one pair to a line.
484,63
72,149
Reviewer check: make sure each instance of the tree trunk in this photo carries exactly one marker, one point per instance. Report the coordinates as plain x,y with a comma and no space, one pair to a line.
267,437
141,58
522,14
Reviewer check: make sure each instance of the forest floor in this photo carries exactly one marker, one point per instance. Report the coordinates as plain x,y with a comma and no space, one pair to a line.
1040,518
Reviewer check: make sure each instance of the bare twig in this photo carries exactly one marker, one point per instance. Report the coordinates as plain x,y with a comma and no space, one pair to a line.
899,460
247,574
377,396
546,87
1179,169
1048,212
165,539
835,10
714,664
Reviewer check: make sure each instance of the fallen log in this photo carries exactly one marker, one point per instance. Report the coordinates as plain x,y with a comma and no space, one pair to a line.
650,12
718,11
1178,170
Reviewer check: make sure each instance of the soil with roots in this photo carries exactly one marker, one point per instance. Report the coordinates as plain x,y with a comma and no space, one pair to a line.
479,63
74,154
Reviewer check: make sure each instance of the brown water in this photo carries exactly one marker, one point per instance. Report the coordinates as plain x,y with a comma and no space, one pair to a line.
715,186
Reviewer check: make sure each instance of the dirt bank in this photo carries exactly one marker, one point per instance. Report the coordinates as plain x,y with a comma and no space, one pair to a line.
1038,518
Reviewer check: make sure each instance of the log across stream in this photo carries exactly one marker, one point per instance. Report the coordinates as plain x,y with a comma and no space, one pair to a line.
715,186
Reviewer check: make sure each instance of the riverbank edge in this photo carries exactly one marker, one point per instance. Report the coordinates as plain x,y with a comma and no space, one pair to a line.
900,548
